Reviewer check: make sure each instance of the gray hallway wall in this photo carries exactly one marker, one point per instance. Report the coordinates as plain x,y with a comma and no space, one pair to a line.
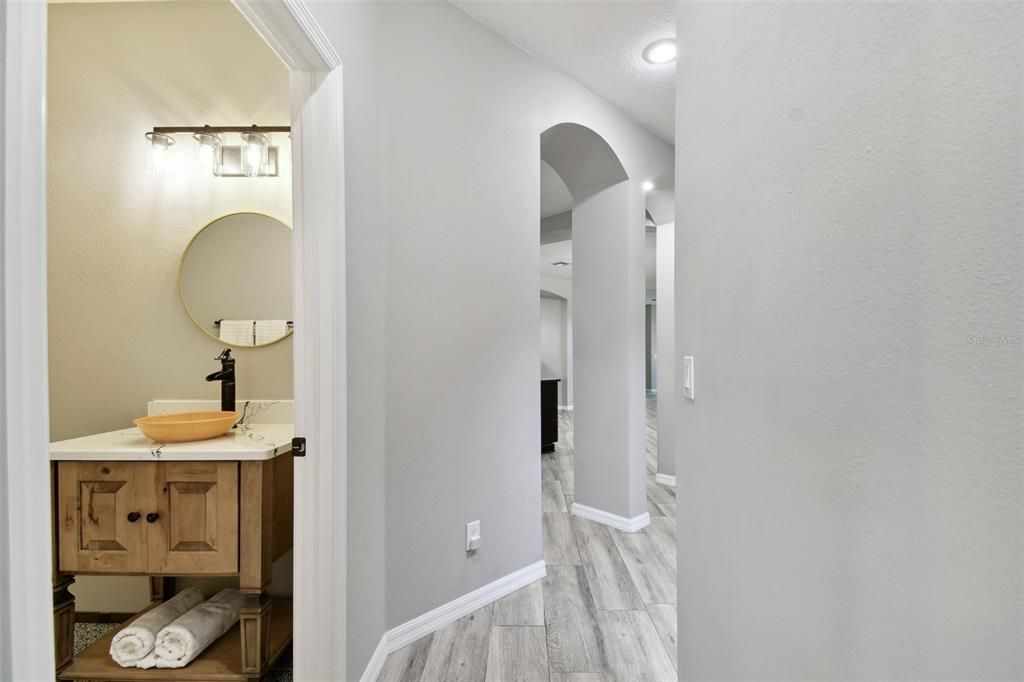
554,319
442,157
668,380
850,253
650,346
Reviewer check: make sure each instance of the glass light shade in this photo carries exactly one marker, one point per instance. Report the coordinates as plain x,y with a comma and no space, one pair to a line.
207,148
158,159
254,153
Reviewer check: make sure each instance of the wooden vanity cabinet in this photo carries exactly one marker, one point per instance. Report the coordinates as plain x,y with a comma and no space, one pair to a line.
99,511
154,518
175,518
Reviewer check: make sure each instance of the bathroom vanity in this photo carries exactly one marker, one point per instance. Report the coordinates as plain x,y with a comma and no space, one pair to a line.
124,505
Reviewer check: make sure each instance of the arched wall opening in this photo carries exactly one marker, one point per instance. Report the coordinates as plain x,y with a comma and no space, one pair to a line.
607,312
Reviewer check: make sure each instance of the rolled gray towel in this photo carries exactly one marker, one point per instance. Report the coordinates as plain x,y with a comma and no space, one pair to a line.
178,643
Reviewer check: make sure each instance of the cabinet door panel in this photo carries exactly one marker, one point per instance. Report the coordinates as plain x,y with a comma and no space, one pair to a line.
197,531
94,504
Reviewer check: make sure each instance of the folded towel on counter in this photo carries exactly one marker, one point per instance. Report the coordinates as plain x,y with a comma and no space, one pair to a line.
237,332
268,331
137,640
184,639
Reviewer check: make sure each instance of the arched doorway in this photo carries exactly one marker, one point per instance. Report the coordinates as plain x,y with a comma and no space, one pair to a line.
607,311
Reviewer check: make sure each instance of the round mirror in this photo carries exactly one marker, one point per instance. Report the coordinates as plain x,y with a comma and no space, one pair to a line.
235,279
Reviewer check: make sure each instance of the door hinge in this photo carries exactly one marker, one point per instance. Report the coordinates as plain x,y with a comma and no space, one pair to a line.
298,447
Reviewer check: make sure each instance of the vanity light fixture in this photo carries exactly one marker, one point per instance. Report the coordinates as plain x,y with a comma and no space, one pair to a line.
160,145
256,155
207,150
647,185
661,51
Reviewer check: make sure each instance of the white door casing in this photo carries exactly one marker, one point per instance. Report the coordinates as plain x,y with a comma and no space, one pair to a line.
27,651
318,184
26,592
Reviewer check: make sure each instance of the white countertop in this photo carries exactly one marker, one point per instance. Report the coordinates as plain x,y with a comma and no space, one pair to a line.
246,442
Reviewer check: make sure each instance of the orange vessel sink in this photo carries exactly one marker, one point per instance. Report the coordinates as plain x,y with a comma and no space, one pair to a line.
185,427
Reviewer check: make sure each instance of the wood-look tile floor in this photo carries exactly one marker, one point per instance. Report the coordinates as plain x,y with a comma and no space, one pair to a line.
605,612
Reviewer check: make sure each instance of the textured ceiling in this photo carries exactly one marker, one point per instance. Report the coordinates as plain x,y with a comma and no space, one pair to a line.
597,44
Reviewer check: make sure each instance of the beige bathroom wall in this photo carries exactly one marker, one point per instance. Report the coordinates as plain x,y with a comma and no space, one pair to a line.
118,333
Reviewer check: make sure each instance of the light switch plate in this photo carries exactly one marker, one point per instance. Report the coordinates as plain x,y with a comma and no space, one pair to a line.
688,377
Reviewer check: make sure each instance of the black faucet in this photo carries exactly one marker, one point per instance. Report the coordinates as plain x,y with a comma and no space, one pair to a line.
226,377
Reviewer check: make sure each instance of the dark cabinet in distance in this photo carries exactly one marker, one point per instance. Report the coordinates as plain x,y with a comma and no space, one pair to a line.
548,414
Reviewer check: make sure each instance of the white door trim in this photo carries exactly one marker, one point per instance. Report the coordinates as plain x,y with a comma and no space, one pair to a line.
27,650
292,33
318,182
26,590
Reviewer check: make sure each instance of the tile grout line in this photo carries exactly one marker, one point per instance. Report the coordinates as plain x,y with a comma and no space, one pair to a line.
663,645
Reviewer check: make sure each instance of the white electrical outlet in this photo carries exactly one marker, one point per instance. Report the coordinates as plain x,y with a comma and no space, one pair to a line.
688,377
472,536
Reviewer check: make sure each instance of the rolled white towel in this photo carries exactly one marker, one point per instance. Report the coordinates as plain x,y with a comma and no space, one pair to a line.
136,640
184,639
148,662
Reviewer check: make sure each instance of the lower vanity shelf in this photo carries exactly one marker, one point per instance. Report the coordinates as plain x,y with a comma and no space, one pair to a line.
221,661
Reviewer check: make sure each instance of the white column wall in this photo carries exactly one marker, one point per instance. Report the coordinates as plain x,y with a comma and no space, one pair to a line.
608,351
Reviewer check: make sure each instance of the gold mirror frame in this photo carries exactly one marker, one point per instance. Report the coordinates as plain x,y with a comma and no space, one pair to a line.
181,290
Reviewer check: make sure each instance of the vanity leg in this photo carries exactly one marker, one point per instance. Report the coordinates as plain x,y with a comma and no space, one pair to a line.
63,599
255,624
255,547
161,588
63,621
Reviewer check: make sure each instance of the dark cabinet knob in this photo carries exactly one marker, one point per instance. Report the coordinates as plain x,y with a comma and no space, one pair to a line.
134,516
152,517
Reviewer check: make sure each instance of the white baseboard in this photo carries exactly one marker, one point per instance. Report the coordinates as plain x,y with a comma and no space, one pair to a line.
376,664
621,522
665,479
433,620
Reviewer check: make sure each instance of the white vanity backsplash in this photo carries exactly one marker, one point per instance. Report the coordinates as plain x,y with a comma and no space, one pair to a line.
253,411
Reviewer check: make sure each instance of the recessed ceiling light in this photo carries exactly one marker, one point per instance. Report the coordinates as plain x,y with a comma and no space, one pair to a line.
647,185
661,51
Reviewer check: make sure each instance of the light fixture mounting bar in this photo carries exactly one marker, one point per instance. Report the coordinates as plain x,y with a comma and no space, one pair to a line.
170,130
